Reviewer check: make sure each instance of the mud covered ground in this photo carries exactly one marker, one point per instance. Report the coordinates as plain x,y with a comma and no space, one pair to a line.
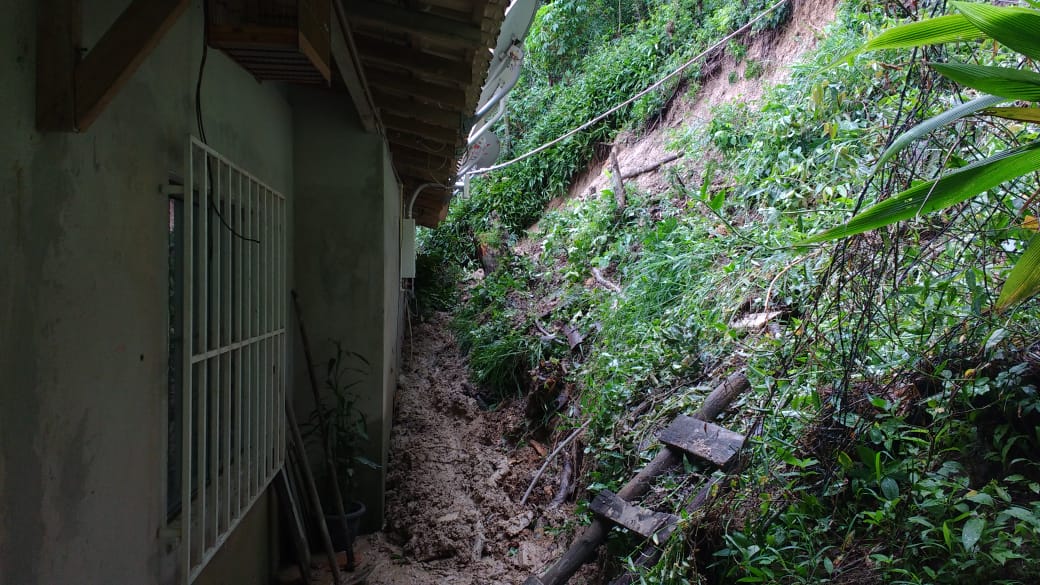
457,474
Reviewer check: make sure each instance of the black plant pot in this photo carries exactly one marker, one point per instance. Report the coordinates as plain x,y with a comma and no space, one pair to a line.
355,510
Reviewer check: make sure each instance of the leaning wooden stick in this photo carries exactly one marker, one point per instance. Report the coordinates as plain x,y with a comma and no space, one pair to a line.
312,491
548,459
330,465
586,543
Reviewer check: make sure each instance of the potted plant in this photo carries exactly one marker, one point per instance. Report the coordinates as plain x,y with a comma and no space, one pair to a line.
339,429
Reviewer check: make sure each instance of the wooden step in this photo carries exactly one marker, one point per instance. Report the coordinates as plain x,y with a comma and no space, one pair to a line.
702,439
643,522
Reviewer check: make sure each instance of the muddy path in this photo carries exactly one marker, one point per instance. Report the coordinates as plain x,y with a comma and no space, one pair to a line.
456,475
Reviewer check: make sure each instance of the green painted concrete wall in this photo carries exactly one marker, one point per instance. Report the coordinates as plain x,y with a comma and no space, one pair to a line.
83,311
347,269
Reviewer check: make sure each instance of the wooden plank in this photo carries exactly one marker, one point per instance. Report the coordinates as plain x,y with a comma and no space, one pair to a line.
121,50
702,439
645,523
260,38
57,43
390,17
588,540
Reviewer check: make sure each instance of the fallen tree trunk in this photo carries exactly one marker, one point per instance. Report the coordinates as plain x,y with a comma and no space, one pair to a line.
586,543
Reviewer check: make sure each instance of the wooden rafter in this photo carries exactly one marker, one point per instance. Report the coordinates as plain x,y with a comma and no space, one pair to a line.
447,97
382,54
425,25
407,108
421,144
420,129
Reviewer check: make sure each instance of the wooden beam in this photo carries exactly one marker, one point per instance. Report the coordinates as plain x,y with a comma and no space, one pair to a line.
437,166
57,51
397,138
449,98
346,56
408,108
379,53
119,53
408,150
420,173
422,129
424,25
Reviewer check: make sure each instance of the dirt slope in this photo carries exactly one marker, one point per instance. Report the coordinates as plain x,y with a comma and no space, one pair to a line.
776,50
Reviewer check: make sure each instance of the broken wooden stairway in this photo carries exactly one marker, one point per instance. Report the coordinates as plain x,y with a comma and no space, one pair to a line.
693,435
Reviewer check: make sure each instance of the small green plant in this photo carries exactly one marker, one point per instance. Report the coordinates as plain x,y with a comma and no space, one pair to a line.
738,50
754,69
339,418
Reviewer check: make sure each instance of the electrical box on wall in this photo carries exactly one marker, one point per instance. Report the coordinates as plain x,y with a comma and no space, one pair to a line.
407,248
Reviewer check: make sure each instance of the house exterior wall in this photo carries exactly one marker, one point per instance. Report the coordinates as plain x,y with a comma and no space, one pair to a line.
346,265
393,315
83,304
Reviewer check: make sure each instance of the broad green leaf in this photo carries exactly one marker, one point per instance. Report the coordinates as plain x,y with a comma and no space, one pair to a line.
943,192
1018,28
1022,514
972,532
889,488
1010,83
934,122
1024,280
1012,113
933,31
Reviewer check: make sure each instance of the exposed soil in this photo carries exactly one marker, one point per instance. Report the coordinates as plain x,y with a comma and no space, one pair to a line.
775,50
457,473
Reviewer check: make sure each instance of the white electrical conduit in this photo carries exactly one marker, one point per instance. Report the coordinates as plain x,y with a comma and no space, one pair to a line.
415,195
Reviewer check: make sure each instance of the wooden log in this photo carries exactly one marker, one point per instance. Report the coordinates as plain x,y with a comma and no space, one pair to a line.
589,539
644,522
702,439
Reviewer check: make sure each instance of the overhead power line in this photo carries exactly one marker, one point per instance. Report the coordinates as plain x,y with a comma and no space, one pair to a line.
656,85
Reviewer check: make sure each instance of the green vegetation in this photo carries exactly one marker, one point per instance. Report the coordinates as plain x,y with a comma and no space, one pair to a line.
894,415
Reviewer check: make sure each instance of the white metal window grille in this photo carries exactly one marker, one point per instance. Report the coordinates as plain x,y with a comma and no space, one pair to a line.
234,348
